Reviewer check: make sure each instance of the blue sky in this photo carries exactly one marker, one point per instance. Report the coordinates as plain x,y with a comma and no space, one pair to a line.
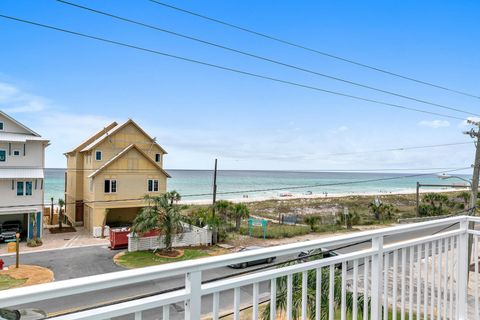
67,87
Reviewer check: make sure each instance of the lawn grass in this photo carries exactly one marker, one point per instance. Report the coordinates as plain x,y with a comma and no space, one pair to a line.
7,282
139,259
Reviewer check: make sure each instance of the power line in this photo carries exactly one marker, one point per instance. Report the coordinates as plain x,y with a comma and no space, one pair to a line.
263,58
264,190
247,73
323,53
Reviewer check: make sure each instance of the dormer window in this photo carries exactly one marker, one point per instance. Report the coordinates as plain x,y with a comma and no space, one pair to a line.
158,156
98,155
1,126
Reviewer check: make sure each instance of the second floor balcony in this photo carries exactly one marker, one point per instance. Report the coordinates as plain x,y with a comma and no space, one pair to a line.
415,271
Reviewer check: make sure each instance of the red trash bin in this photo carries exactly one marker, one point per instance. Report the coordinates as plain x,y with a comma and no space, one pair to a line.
1,264
119,238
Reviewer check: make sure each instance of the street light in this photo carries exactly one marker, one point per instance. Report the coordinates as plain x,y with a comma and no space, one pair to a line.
470,183
445,176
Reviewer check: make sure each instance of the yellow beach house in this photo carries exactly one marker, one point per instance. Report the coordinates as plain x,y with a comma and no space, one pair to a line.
109,174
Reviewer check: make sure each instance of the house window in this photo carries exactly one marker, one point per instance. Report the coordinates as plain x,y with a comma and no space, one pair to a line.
28,188
3,155
1,126
110,186
152,185
98,155
157,157
16,152
19,188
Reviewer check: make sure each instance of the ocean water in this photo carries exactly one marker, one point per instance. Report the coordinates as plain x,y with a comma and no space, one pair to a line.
233,184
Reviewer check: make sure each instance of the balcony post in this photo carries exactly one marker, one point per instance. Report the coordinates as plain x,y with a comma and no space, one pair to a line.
193,285
377,270
462,271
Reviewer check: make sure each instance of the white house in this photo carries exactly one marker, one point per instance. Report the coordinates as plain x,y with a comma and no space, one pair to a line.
22,161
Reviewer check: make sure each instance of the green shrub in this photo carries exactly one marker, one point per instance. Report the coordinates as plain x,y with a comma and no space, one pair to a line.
277,231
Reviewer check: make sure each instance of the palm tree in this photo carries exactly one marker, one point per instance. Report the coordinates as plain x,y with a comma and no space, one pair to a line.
174,196
376,209
162,215
281,300
61,204
466,197
240,211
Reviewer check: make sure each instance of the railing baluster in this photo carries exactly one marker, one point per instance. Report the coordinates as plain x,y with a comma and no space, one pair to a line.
394,285
419,279
432,285
462,271
193,283
344,292
439,280
166,312
365,287
216,305
355,290
318,294
477,284
331,292
402,293
289,296
452,273
138,315
385,285
446,244
255,301
410,278
376,282
273,299
304,294
426,284
236,303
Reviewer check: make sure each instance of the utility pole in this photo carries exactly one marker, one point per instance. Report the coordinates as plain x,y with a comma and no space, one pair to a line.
475,180
476,165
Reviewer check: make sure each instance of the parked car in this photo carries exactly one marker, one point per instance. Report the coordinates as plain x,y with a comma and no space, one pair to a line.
9,229
316,254
22,314
251,263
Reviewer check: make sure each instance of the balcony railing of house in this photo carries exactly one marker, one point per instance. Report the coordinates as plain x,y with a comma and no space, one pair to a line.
415,271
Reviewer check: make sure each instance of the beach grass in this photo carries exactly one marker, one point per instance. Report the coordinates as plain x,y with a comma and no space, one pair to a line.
277,231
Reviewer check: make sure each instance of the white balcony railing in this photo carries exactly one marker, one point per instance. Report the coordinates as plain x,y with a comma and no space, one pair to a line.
406,272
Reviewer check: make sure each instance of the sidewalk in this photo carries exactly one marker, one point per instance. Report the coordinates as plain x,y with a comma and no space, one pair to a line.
80,238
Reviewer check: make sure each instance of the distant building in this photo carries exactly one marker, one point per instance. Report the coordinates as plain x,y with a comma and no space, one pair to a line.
22,161
109,174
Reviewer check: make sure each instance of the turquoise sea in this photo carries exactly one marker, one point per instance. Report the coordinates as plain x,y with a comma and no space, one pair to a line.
234,184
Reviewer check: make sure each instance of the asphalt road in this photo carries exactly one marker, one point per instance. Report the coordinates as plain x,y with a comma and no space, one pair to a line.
79,262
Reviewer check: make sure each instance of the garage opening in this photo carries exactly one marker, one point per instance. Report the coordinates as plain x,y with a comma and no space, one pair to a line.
121,217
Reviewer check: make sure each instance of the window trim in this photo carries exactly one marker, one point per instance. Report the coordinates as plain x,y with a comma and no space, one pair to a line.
159,155
153,181
2,128
22,183
31,188
6,153
110,189
101,155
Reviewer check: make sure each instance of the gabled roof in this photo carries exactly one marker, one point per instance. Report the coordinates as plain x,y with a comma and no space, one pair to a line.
113,130
19,124
94,137
124,152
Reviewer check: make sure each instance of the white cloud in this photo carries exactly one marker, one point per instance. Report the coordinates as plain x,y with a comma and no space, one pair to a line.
434,123
14,100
